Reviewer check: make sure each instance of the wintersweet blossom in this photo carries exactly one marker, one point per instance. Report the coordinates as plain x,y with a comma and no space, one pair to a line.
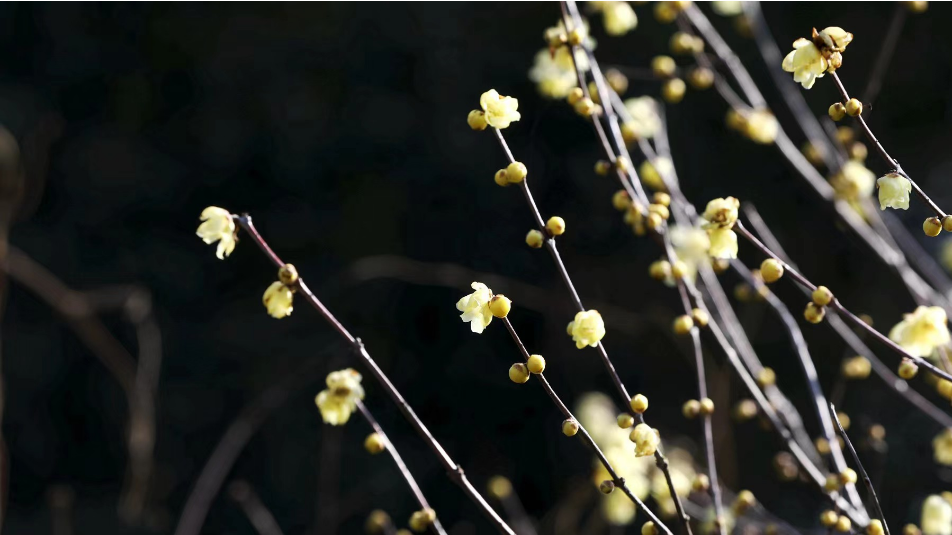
279,300
721,213
894,191
500,111
218,225
835,38
339,401
553,78
475,307
643,121
922,331
936,516
587,329
806,62
761,126
723,243
853,181
646,440
942,447
619,18
726,8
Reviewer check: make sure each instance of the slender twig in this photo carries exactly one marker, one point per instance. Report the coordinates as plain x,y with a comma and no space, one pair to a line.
401,466
862,471
886,51
259,515
453,470
586,437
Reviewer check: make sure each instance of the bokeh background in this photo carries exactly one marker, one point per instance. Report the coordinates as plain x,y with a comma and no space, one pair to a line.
341,128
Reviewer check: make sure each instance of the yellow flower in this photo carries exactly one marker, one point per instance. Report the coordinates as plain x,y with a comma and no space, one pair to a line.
761,127
339,401
552,78
652,173
475,307
587,329
727,8
619,18
279,300
936,516
646,440
806,62
500,111
922,331
894,191
218,225
692,245
723,243
836,38
721,213
853,182
643,120
942,447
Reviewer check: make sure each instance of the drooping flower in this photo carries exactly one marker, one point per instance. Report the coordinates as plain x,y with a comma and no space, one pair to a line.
894,191
279,300
218,225
500,111
942,447
339,400
587,329
853,181
475,307
552,78
646,440
723,243
619,18
835,38
936,516
721,213
643,121
806,62
922,331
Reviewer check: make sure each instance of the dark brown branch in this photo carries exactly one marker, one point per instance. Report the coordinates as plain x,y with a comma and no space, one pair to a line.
259,515
862,471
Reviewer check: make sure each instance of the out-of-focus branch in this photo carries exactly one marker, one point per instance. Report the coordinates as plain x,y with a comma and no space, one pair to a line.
61,500
260,517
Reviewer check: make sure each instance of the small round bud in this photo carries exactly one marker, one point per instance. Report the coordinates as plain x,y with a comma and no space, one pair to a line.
814,313
682,43
691,409
518,373
843,523
944,388
659,270
919,6
617,80
812,154
585,107
845,135
848,476
679,270
477,120
822,296
908,369
607,486
659,209
663,199
701,483
593,91
700,317
877,432
664,12
639,403
575,37
858,151
837,111
683,324
288,274
555,225
832,483
911,529
701,78
623,164
822,446
720,265
854,107
625,420
932,227
844,420
500,305
875,527
620,200
421,520
654,221
516,172
707,406
377,522
374,443
947,223
603,167
501,178
771,270
499,487
536,364
828,518
663,66
745,410
766,377
534,239
673,90
745,500
569,427
575,95
649,528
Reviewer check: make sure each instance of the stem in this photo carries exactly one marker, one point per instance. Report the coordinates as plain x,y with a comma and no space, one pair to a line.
398,460
453,470
862,471
259,515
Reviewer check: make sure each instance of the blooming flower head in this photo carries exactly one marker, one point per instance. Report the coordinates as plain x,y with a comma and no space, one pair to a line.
922,331
806,62
643,121
936,516
218,225
619,18
853,181
721,213
893,191
475,307
279,300
942,447
646,440
835,38
587,329
723,243
553,78
339,401
500,111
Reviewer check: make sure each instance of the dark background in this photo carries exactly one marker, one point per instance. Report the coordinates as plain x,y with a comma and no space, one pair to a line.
341,128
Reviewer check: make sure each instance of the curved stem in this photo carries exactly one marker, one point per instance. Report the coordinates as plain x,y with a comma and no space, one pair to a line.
862,471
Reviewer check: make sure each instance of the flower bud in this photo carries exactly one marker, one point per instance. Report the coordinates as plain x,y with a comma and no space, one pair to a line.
374,443
854,107
607,486
500,178
908,369
288,274
673,90
477,120
534,239
814,313
518,373
569,427
639,403
691,409
771,270
555,225
536,364
683,324
822,296
837,111
932,227
516,172
500,305
625,420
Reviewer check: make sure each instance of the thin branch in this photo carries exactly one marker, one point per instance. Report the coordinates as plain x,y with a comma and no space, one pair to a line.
862,471
884,58
259,515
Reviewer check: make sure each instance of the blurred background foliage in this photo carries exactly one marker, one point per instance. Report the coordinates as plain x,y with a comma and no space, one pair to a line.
341,128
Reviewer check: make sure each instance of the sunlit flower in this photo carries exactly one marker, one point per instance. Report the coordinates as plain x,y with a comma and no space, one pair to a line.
475,307
853,182
721,213
643,121
835,38
692,245
653,172
552,78
619,18
218,225
922,331
936,516
500,111
279,300
723,243
942,447
587,329
727,8
339,401
806,62
894,191
646,440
